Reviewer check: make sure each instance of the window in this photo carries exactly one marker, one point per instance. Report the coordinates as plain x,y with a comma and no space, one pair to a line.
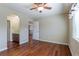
75,19
76,24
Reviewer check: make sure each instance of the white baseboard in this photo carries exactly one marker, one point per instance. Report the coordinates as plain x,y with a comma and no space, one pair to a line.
22,42
71,51
54,42
3,49
60,43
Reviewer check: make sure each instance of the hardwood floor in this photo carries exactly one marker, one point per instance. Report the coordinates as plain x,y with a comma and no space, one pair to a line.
38,48
12,44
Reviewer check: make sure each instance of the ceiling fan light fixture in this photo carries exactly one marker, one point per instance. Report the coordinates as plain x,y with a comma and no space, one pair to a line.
40,8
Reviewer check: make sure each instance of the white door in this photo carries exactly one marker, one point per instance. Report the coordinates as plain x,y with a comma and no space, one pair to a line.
36,30
8,30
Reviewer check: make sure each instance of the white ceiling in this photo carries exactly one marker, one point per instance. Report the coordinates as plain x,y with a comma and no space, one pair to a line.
57,8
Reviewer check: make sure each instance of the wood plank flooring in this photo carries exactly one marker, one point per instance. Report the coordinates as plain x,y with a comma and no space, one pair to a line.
12,44
38,48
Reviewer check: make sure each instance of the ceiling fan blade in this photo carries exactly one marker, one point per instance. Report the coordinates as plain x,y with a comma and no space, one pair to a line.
45,3
32,8
34,5
48,7
38,4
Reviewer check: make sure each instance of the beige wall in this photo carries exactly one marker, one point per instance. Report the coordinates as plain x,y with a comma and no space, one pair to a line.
3,33
4,12
54,29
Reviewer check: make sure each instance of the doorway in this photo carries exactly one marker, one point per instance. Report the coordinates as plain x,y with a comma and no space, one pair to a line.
12,31
33,31
8,30
30,32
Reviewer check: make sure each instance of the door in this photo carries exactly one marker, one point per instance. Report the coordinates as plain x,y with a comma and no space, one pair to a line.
8,30
36,30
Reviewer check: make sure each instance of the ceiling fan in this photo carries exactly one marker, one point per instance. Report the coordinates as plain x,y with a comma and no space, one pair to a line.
40,6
